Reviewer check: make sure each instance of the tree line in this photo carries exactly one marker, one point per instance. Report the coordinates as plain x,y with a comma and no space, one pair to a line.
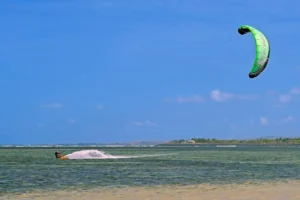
259,141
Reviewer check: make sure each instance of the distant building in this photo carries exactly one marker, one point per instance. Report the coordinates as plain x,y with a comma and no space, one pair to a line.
191,141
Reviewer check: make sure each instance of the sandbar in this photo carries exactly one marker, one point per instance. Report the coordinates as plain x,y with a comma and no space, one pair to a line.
289,190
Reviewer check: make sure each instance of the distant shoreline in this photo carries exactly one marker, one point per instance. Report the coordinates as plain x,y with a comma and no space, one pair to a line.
260,141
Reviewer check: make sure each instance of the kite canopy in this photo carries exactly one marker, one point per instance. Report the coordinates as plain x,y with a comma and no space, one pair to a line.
262,50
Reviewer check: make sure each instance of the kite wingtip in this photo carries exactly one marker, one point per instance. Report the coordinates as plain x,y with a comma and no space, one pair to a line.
251,75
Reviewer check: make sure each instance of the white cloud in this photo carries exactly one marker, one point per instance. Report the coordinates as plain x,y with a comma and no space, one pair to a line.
219,96
295,91
288,119
150,123
100,107
271,92
52,105
145,123
187,99
71,121
264,121
138,123
285,98
215,95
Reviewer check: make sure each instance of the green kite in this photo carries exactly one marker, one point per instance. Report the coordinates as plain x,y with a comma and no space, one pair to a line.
262,50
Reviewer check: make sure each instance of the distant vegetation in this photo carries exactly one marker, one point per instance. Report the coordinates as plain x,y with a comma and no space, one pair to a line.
260,141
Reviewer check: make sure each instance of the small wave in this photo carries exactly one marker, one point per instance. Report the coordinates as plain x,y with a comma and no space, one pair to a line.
96,154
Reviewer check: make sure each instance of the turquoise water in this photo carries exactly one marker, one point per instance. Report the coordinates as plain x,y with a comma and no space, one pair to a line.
29,169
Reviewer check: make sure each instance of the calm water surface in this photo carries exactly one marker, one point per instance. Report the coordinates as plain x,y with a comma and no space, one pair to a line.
28,169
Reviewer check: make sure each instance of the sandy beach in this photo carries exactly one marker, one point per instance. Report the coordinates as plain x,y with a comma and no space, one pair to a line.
265,191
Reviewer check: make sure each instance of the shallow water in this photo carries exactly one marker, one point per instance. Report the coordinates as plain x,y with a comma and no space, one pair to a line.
28,169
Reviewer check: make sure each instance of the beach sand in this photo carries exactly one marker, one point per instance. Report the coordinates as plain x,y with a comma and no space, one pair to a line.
264,191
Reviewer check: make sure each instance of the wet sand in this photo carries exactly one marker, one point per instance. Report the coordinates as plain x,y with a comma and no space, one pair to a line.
265,191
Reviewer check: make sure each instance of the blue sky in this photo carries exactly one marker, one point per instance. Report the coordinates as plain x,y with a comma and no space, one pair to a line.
131,70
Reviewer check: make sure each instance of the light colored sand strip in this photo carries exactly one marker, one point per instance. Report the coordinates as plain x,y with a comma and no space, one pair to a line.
267,191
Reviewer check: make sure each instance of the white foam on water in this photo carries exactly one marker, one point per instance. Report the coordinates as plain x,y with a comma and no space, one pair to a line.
92,154
96,154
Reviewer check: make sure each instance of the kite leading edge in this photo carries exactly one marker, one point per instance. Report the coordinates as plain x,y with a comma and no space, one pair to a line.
262,50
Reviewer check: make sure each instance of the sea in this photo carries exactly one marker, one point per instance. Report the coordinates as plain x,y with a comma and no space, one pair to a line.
30,169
